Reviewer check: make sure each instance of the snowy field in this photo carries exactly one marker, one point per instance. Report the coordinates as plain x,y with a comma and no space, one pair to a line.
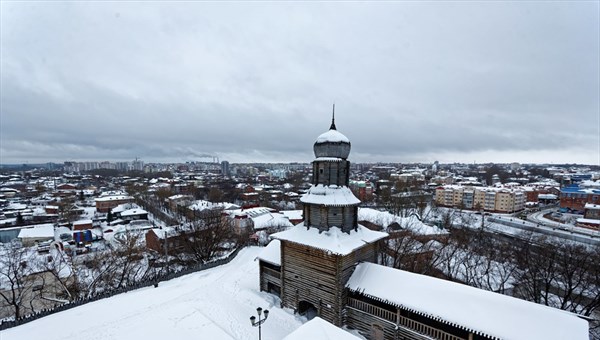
212,304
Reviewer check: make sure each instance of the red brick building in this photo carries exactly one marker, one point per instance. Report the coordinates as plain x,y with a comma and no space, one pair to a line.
104,204
573,198
82,225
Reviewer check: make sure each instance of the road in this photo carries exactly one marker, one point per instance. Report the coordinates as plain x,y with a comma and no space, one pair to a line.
538,218
538,224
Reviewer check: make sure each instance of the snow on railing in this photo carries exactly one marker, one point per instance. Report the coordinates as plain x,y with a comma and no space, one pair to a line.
400,320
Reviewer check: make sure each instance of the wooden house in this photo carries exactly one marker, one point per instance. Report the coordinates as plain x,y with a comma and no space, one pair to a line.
326,267
318,257
270,268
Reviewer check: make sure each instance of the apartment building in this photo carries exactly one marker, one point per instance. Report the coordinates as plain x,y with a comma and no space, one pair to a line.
502,200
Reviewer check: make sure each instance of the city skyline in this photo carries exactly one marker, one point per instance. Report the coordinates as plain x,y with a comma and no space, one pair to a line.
255,82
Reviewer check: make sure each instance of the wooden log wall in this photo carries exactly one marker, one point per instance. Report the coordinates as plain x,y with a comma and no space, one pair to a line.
347,264
268,275
312,275
309,274
323,217
331,172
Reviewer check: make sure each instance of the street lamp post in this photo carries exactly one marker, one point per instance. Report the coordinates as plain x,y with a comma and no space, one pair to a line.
260,321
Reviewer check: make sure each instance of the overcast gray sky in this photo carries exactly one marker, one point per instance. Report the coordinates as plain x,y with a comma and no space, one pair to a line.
412,82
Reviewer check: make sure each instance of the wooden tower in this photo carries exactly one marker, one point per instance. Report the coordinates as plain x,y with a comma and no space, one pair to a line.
318,256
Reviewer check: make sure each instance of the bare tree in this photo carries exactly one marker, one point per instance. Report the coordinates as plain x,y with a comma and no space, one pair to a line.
17,264
96,272
129,257
402,250
62,273
205,236
122,266
67,210
561,275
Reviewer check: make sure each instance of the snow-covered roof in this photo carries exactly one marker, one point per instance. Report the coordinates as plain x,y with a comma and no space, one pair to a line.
39,231
588,221
262,217
269,220
80,222
16,206
122,207
331,195
113,198
469,308
332,136
161,232
113,193
592,206
200,205
589,184
328,159
333,241
133,212
547,196
5,189
320,329
271,253
178,196
384,219
494,189
292,214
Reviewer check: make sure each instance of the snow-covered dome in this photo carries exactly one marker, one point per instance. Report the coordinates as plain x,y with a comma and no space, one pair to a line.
332,136
332,144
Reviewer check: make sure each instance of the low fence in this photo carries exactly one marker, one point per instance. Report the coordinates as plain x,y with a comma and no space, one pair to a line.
82,301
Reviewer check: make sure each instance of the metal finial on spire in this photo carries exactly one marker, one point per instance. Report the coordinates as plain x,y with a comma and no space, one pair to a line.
332,127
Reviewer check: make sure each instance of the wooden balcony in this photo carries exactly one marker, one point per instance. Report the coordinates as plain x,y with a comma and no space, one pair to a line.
271,272
401,321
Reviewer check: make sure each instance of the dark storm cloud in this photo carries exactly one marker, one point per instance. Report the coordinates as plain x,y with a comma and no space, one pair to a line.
255,82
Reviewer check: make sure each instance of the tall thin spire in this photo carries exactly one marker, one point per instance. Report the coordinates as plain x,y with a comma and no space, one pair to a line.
332,127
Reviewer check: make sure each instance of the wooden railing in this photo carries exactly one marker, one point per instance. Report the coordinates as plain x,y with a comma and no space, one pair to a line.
373,310
272,272
424,329
402,321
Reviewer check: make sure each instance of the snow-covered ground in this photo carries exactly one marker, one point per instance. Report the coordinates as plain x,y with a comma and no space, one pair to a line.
211,304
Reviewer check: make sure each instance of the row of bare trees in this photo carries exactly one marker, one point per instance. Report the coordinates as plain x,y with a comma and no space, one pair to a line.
560,274
30,281
207,234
